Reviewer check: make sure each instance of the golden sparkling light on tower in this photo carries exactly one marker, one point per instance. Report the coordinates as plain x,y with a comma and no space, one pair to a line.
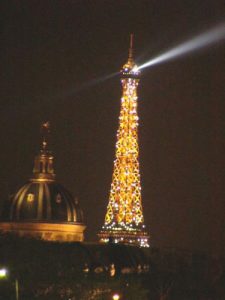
124,222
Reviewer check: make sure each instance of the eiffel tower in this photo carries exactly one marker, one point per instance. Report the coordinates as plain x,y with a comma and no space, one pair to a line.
124,221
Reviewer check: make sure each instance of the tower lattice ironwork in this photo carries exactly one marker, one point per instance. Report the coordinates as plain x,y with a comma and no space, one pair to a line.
124,221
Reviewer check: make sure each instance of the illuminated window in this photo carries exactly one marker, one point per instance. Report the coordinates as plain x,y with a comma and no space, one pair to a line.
30,197
58,198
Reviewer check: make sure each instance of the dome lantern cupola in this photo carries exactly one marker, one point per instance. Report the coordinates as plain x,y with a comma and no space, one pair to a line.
43,163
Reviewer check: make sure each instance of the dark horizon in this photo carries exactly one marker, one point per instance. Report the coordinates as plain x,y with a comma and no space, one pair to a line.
52,55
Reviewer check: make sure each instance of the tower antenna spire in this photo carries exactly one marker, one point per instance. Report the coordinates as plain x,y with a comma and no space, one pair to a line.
131,46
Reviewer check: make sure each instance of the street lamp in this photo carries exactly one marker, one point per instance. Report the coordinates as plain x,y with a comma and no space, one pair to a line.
17,289
116,297
3,275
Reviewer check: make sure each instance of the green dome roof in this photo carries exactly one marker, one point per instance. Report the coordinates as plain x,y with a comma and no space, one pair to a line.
41,201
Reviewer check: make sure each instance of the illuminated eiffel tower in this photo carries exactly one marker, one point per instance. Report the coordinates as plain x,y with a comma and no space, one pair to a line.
124,221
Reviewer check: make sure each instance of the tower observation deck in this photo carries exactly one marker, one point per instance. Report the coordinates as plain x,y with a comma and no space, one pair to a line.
124,221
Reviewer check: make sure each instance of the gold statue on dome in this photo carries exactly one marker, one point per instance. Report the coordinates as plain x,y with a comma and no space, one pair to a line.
45,130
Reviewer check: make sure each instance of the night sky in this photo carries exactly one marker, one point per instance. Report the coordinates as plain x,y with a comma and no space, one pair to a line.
53,52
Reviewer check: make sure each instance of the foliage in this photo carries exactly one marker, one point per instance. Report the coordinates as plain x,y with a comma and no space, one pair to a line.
47,270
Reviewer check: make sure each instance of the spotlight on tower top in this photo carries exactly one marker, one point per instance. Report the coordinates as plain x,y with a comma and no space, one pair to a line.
130,69
196,43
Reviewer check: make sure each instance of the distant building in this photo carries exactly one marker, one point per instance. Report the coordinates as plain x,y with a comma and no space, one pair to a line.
43,208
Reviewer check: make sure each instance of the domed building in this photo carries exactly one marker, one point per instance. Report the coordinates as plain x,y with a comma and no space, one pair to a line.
43,208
